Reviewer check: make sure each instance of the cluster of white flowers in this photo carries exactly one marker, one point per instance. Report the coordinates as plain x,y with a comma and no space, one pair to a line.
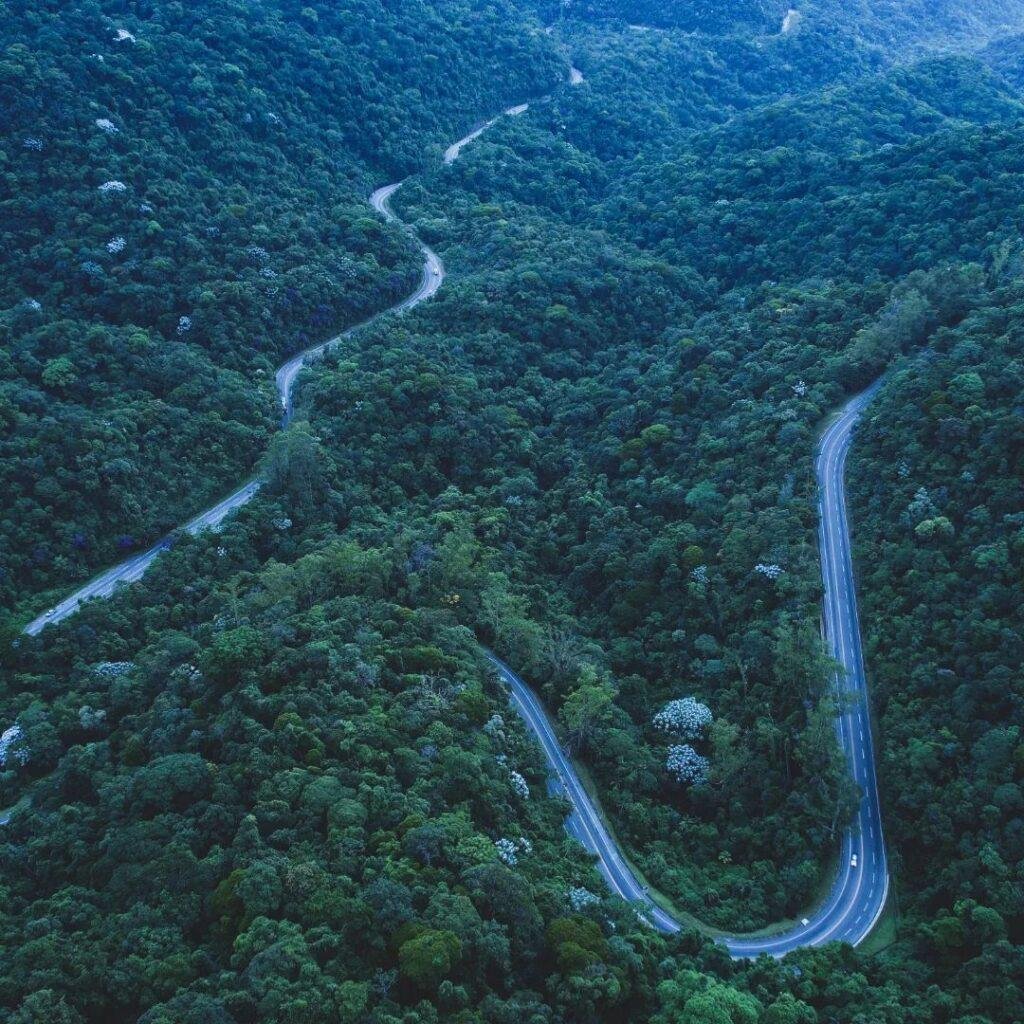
33,143
33,304
510,849
699,574
769,570
800,388
519,784
507,851
281,523
257,254
268,272
116,244
685,717
922,506
113,186
221,552
113,669
581,898
184,324
124,36
106,125
686,765
495,727
91,267
187,673
12,746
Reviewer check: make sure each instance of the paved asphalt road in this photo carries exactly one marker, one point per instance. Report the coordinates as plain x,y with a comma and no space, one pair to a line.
451,154
135,567
859,892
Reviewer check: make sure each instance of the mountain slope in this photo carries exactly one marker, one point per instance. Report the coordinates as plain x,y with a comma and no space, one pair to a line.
184,206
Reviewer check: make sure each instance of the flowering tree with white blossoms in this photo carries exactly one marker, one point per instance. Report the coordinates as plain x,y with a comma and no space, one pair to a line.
685,765
519,784
685,717
772,572
581,898
12,747
113,669
510,849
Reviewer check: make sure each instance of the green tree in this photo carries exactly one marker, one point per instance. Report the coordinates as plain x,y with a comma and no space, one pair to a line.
429,958
587,709
296,464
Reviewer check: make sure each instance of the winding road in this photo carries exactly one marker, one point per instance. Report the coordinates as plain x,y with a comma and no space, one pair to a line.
858,894
859,891
861,888
134,568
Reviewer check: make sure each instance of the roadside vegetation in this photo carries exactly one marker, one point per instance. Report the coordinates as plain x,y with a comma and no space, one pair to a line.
276,779
184,208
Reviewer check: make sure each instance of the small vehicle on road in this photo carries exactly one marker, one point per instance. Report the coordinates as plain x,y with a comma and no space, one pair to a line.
853,861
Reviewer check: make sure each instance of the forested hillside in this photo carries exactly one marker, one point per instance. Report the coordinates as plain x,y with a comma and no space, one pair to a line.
185,205
898,27
276,780
713,308
937,487
736,16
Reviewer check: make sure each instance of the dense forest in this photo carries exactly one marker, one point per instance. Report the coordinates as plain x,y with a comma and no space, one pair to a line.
678,418
892,27
937,494
185,205
276,779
